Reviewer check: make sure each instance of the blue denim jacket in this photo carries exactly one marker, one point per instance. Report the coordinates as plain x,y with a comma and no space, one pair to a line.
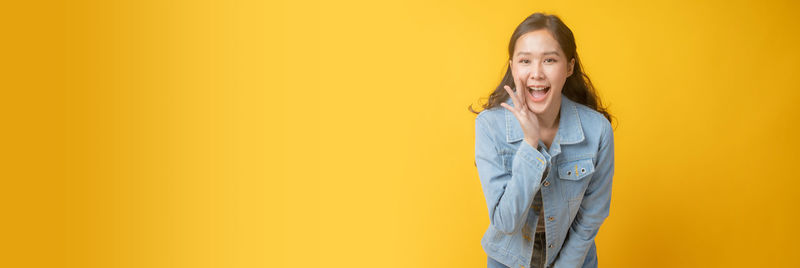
574,176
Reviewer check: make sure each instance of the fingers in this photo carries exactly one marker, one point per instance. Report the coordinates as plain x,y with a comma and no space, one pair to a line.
508,107
524,93
518,86
522,90
525,86
514,111
512,95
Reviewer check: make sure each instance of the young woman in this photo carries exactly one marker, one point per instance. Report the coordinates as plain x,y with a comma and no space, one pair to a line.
546,157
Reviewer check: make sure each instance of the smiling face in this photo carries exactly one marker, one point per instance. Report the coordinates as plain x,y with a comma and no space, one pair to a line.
540,64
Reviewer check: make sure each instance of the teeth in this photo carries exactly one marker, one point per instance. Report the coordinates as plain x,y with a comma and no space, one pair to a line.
538,88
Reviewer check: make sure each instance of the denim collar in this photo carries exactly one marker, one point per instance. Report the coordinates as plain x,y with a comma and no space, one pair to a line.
569,126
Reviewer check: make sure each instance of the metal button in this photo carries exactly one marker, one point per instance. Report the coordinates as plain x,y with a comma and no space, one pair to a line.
583,170
550,218
550,246
546,183
569,172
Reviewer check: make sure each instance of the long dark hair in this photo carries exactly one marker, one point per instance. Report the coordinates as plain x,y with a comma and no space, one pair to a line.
578,86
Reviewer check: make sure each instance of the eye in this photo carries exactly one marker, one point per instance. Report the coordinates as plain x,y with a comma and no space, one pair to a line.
550,60
524,61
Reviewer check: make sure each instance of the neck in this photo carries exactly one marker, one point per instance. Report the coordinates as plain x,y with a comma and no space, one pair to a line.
549,120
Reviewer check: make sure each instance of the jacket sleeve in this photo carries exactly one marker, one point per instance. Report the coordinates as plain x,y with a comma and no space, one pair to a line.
594,207
508,195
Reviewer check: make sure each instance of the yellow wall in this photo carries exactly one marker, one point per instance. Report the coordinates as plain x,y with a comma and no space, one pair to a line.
303,134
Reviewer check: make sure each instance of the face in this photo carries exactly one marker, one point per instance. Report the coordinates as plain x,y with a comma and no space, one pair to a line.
540,66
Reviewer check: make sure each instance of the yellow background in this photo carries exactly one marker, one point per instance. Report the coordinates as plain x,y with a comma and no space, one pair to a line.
307,133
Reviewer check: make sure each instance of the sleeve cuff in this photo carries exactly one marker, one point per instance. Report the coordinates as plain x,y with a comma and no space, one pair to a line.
532,156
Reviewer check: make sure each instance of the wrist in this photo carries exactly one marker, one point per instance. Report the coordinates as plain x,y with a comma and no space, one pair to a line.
532,142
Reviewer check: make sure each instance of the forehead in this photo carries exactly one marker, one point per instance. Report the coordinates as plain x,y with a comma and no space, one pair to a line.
537,42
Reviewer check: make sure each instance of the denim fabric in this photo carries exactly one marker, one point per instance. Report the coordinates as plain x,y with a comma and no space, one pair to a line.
537,259
573,177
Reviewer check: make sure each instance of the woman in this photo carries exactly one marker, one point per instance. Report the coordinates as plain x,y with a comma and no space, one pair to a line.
546,161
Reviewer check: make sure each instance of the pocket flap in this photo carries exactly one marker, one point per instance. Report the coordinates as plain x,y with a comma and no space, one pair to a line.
575,170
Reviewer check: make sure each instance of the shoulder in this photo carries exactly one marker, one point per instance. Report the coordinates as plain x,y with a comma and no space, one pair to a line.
491,122
491,118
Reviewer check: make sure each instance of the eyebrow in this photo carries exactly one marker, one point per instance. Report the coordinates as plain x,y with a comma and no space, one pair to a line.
546,53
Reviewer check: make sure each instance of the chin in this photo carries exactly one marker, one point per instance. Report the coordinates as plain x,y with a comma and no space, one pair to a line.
541,108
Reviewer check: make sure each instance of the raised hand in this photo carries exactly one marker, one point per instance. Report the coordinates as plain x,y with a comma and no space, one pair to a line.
527,119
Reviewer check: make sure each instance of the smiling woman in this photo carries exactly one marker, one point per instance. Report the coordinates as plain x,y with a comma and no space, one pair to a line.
578,87
553,107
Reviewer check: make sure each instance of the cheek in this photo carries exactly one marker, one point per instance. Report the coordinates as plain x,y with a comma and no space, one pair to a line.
519,72
557,73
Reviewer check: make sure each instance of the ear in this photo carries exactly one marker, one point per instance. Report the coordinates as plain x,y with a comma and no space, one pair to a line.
571,67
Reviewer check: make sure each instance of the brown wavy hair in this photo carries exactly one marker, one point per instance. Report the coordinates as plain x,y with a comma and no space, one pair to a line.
578,86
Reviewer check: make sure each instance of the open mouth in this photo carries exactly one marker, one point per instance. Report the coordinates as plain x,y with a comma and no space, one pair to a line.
538,93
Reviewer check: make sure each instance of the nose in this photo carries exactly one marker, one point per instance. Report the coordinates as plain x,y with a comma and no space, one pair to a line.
536,72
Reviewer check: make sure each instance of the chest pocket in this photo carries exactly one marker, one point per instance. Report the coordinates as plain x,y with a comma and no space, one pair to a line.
576,169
